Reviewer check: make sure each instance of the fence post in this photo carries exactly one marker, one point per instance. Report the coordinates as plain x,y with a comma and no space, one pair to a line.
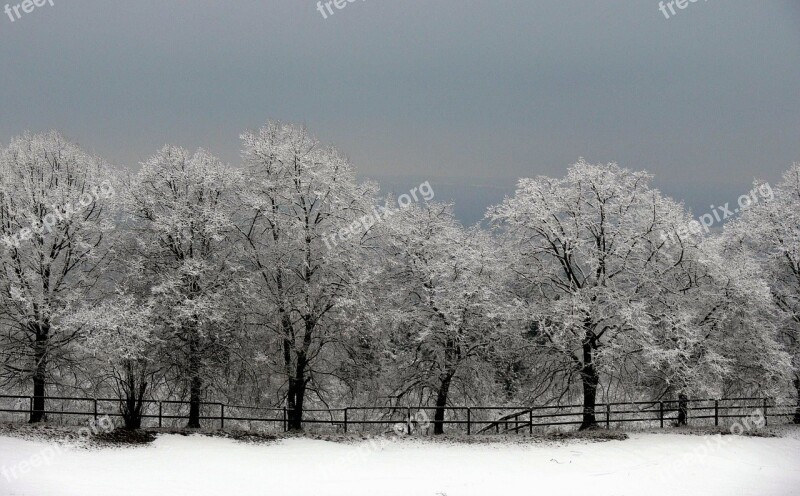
608,416
683,410
469,421
661,413
716,413
221,416
530,420
408,422
95,409
345,420
285,427
30,412
766,422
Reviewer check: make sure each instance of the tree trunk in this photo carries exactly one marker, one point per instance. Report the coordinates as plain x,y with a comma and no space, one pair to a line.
590,380
39,378
297,393
298,380
295,399
797,409
134,389
194,403
196,385
441,404
131,414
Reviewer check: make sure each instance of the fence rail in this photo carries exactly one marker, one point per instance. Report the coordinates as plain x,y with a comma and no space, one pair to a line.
465,420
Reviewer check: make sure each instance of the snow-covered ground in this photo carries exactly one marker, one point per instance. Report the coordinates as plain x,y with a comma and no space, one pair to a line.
652,464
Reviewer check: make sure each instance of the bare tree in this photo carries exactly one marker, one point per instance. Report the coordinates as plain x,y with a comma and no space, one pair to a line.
769,231
588,251
182,222
300,236
445,302
55,214
119,334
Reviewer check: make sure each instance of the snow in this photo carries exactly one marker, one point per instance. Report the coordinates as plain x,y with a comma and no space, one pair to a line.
198,465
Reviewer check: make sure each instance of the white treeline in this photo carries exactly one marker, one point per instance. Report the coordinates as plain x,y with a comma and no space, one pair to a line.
199,281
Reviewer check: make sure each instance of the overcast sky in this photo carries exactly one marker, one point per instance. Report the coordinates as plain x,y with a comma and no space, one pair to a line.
467,93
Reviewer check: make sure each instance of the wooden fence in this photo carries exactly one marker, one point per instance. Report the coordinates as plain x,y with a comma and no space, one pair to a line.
458,420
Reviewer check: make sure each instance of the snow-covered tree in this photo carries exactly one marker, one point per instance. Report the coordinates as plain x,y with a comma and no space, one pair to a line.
769,232
588,251
446,309
715,329
285,283
56,210
119,335
182,221
304,216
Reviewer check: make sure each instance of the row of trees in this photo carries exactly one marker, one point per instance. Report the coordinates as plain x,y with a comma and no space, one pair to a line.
199,281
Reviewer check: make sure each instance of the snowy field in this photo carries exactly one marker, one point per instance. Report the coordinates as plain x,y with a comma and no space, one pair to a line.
652,464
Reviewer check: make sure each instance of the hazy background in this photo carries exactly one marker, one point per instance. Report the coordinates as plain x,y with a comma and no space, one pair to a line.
470,95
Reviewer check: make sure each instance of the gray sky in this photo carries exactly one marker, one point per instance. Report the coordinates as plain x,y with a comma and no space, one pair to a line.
468,93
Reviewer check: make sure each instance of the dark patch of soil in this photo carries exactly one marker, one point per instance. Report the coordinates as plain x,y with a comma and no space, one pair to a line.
247,436
590,435
124,437
38,432
724,431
